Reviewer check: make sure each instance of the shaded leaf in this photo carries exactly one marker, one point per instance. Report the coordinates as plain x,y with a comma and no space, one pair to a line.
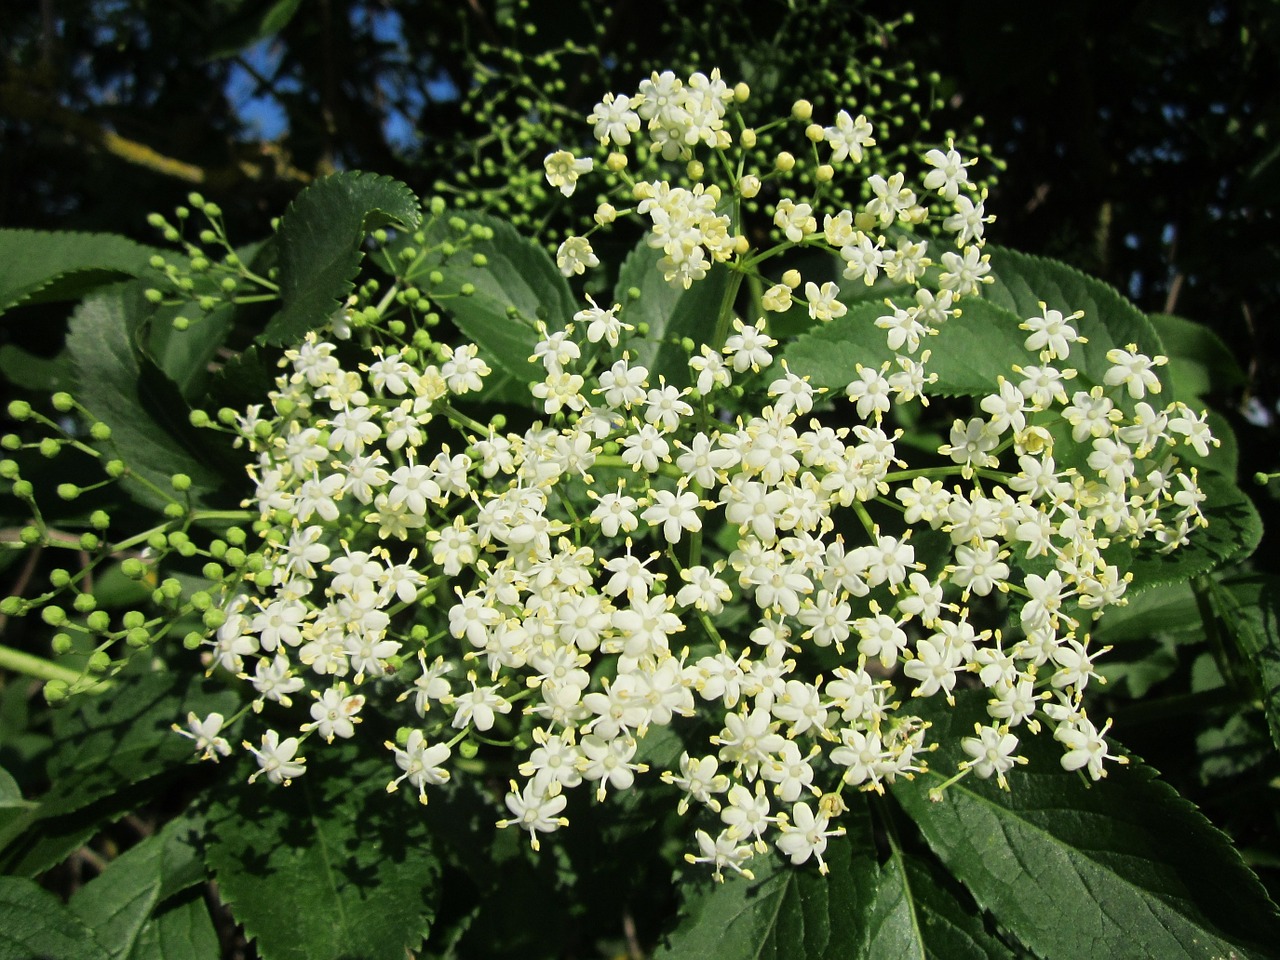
320,245
670,312
785,911
331,867
119,904
36,924
40,265
517,285
32,372
112,741
1250,609
915,915
182,930
1119,868
100,341
1199,362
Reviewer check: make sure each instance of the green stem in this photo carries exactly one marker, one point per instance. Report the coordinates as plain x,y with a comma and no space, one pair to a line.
725,314
41,669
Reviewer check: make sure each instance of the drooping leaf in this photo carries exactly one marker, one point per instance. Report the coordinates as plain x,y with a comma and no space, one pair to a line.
670,312
786,911
120,904
115,740
516,284
38,265
915,915
15,812
1249,608
1119,868
331,867
109,371
1023,281
319,243
36,924
967,354
183,355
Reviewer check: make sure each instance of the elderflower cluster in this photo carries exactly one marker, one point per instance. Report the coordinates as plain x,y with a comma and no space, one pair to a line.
747,559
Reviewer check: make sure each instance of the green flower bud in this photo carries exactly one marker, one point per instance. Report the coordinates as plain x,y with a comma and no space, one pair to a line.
63,402
211,571
23,490
61,644
171,588
99,520
98,621
59,577
99,661
137,638
53,615
13,606
214,618
133,568
50,448
85,603
115,469
19,410
55,691
9,470
89,541
30,535
68,491
153,295
180,482
175,511
235,557
11,441
468,749
100,432
133,619
193,640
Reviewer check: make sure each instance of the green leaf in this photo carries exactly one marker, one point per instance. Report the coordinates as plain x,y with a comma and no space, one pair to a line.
331,867
1119,868
518,284
1109,320
181,930
183,355
1234,531
15,812
319,241
40,265
118,905
36,924
670,312
1199,362
1249,608
127,736
968,354
915,915
1162,608
786,911
112,386
32,372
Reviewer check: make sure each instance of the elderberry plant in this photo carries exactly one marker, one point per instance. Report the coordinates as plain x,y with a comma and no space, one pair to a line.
746,534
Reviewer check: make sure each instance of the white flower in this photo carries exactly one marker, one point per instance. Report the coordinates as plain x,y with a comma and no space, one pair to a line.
536,808
848,137
205,734
991,752
421,763
805,835
575,255
276,758
564,169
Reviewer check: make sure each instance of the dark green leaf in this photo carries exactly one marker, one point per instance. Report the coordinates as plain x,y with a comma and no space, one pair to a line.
332,866
1109,321
183,355
39,265
182,930
31,372
785,911
1166,607
320,240
1249,608
15,812
670,312
1234,532
517,285
1199,362
101,344
118,739
916,915
1119,868
35,925
968,354
118,905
